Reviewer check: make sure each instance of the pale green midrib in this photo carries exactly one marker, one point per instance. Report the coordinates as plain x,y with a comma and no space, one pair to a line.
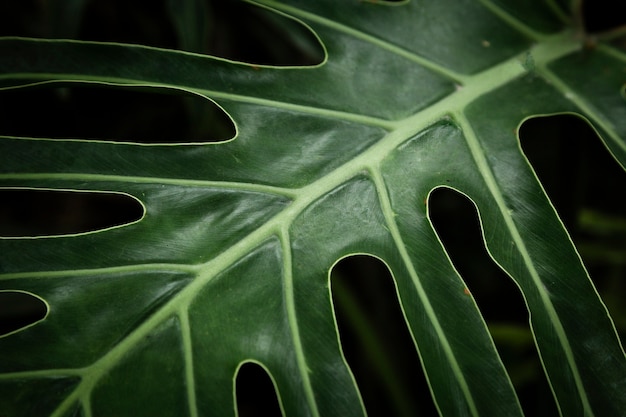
301,108
190,381
564,16
438,69
430,312
190,269
42,373
492,184
93,373
185,182
288,296
612,51
86,405
512,21
480,84
206,272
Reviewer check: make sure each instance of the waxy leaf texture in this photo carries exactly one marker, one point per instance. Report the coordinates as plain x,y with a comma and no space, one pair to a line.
229,262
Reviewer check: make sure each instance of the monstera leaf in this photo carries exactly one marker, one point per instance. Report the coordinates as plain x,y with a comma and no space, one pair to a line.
229,260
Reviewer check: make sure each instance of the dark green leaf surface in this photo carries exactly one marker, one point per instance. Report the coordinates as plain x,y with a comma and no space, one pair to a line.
230,262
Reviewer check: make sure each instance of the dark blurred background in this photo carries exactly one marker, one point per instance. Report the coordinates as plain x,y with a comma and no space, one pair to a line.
582,179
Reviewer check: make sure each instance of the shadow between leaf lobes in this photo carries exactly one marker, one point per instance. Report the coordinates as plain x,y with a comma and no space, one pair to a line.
500,301
584,183
375,339
234,30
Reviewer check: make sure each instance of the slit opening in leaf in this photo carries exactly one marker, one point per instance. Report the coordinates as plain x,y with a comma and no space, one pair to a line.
268,38
233,30
500,301
375,339
38,212
584,183
255,392
19,310
112,113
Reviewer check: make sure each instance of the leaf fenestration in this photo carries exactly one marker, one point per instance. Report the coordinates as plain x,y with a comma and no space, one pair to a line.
230,263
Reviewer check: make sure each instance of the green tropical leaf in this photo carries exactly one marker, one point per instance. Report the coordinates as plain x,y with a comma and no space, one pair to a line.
229,261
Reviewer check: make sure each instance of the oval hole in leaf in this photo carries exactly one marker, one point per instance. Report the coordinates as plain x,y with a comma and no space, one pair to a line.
19,310
111,113
32,213
585,184
375,340
456,222
255,392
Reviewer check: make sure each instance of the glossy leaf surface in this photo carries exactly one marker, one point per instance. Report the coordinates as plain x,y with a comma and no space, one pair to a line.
230,261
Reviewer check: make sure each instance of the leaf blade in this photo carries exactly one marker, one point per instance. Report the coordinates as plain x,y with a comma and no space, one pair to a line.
281,214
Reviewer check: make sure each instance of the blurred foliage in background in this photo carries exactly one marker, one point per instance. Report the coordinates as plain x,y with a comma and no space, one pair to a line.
581,178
